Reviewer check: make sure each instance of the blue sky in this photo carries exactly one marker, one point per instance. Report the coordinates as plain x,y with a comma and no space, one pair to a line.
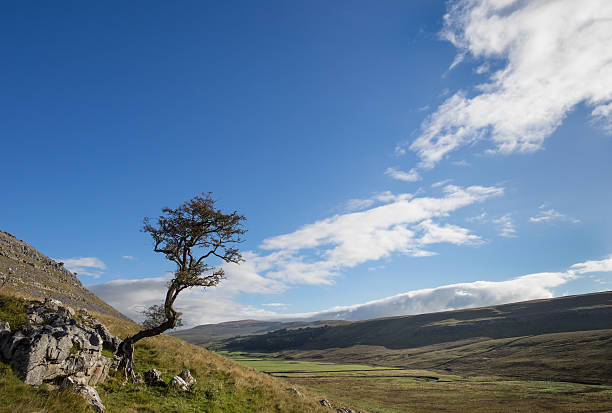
429,151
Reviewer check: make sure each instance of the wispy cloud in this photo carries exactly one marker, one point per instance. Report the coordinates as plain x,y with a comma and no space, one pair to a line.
506,226
410,176
557,56
90,266
549,215
128,257
356,204
440,183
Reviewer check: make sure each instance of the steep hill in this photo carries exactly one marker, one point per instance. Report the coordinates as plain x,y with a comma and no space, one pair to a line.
210,333
27,272
557,315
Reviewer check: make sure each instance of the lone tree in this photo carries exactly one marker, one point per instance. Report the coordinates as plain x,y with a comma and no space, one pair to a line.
188,236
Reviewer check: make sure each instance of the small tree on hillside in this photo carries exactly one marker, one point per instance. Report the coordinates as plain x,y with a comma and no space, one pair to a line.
188,236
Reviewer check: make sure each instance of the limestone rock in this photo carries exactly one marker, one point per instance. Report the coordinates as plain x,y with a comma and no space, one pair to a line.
89,393
60,347
109,341
325,403
345,410
178,383
187,377
153,377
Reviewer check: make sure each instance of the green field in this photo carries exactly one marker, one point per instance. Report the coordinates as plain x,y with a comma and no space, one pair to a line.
275,366
390,390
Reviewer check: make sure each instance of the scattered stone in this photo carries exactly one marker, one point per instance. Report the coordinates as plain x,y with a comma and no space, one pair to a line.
153,377
325,403
295,391
187,377
178,383
345,410
137,377
90,394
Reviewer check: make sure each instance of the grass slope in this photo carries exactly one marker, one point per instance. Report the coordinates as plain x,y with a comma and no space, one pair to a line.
222,385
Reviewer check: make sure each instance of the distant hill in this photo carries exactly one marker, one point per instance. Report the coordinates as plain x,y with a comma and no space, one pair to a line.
211,333
557,315
26,272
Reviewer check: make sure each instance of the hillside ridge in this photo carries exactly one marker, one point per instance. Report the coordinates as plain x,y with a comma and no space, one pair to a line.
563,314
25,271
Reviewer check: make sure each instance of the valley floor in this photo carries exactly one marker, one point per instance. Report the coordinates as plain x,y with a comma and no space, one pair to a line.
387,390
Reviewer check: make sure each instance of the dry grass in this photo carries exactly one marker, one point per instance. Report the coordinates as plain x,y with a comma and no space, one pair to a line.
222,384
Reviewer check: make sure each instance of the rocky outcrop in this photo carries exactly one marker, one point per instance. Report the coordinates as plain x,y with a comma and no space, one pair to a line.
55,346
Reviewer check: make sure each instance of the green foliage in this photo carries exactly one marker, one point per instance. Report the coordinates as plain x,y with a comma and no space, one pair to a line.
155,315
13,310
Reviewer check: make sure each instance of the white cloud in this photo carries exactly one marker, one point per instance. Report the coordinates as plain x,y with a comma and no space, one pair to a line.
550,214
506,225
128,257
604,265
478,218
316,252
356,204
440,183
89,266
557,55
449,297
410,176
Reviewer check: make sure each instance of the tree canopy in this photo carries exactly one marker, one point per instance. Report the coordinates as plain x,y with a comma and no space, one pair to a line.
189,236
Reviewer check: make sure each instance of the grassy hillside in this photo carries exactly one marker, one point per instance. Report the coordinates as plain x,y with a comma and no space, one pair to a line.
26,272
209,333
558,315
222,384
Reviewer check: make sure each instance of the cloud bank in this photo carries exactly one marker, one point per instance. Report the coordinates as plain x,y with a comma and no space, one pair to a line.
555,56
131,296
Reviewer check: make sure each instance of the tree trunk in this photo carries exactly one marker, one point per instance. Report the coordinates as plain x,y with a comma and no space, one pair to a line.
126,348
